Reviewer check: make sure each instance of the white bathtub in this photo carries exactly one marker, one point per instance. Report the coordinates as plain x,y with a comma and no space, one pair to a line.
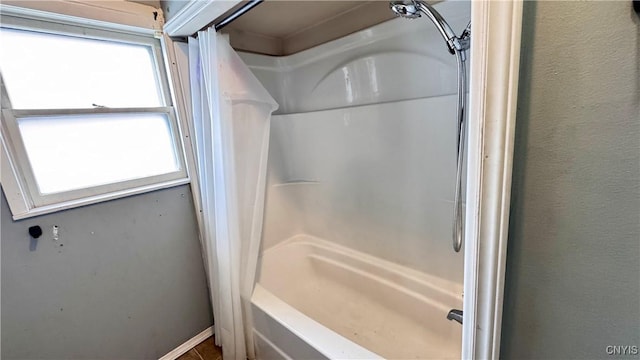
316,300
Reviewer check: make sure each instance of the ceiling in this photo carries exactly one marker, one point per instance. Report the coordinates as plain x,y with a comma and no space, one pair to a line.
285,18
277,27
154,3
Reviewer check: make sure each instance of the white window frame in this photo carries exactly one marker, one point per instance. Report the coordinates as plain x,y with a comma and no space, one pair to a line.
141,27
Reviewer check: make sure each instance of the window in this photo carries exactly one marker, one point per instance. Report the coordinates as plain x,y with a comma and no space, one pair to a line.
86,114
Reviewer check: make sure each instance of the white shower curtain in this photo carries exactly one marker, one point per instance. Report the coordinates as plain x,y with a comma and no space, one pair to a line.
231,117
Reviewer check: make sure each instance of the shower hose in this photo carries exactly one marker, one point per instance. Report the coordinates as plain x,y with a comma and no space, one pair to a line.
458,220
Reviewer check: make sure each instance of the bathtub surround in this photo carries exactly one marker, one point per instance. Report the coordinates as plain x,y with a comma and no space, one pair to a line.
362,157
231,118
384,69
125,280
572,286
378,178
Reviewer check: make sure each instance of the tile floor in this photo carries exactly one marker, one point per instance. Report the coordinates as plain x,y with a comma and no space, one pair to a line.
206,350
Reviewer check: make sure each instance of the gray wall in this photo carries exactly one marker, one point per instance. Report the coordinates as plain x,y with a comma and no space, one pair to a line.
573,265
124,281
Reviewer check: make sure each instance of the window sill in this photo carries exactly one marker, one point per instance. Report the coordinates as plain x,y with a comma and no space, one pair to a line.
48,209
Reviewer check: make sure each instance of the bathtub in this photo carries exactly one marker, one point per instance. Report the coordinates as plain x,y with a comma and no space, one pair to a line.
319,300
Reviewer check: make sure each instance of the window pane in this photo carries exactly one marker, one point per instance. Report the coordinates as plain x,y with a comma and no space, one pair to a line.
45,71
74,152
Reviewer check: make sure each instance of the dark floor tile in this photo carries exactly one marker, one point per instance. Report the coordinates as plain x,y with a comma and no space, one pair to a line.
208,350
190,355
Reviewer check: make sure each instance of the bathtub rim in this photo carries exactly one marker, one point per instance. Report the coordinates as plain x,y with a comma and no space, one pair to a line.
448,288
404,281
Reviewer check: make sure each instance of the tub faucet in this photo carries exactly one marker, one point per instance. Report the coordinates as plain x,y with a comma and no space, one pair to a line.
455,314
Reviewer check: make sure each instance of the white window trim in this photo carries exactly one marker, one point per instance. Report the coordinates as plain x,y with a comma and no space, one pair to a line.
119,20
121,16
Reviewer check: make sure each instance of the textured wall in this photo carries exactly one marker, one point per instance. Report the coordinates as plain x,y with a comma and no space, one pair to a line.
125,280
573,268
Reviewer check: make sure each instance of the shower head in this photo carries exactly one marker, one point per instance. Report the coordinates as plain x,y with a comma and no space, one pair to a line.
411,9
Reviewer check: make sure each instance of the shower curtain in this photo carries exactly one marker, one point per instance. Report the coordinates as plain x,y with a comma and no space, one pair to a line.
231,117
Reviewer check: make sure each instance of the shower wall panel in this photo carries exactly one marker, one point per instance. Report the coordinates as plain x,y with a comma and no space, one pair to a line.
363,151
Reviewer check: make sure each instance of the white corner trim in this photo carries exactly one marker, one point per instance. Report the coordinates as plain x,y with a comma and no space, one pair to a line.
189,344
495,61
195,15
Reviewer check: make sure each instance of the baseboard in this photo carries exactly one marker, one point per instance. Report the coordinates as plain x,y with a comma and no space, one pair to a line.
188,345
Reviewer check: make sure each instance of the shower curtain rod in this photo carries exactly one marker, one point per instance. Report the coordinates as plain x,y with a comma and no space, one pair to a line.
236,14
